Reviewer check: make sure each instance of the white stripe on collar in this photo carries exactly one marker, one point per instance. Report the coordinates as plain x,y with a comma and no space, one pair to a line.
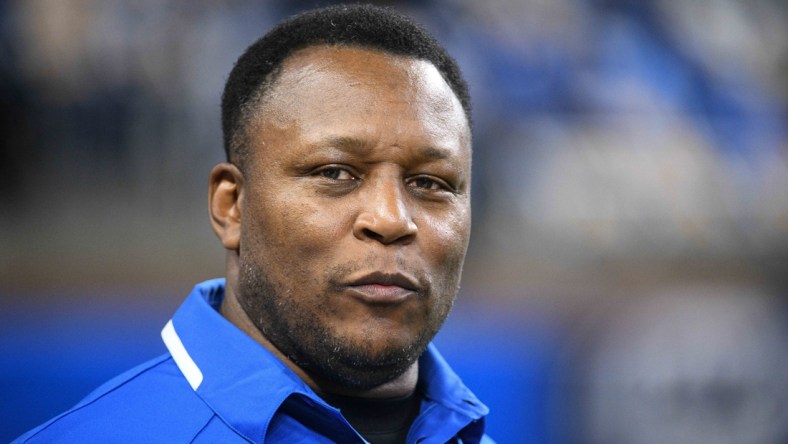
182,359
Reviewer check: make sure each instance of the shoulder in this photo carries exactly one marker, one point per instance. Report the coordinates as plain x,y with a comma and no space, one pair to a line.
152,402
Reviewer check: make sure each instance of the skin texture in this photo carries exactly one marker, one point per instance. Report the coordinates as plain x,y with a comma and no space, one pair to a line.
347,227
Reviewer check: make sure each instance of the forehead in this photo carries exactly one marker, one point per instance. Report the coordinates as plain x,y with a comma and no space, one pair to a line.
336,84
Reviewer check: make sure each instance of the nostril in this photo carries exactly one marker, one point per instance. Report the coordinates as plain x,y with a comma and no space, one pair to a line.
384,228
372,235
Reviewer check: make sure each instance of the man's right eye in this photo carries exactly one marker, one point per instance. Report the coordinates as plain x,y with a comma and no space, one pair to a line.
335,173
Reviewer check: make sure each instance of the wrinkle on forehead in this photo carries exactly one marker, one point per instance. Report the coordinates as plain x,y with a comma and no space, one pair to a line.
338,71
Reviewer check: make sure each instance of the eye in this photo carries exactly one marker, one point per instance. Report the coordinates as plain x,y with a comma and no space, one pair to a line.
335,173
427,183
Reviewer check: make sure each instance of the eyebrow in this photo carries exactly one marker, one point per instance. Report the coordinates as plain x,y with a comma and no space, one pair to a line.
352,145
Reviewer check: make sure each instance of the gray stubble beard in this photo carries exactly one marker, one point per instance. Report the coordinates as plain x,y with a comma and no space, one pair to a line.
313,347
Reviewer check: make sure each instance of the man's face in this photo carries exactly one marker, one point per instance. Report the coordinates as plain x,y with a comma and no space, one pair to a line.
355,212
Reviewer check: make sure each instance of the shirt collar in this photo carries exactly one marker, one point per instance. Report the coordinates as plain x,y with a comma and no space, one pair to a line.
237,372
233,374
440,384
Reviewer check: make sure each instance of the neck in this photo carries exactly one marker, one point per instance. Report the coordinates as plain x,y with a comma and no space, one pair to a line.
379,420
399,387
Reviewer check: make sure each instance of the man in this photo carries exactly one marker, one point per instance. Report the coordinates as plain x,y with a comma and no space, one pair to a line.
344,209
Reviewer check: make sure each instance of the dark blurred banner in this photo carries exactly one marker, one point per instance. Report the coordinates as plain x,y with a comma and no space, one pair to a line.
628,275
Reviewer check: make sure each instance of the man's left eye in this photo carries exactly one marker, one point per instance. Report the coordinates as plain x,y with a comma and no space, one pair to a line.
426,183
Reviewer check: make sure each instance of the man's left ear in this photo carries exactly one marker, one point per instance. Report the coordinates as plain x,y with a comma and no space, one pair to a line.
225,196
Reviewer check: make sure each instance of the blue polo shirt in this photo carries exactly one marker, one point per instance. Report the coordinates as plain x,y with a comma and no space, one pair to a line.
217,384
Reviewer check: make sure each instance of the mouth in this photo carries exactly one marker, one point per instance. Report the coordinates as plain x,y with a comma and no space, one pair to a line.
383,288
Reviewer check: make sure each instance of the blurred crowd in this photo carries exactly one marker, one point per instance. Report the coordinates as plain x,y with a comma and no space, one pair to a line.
640,145
619,129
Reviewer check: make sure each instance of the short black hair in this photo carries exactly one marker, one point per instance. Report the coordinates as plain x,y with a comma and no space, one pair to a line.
366,26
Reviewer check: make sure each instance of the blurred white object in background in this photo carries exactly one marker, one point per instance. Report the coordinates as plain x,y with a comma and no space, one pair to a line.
697,365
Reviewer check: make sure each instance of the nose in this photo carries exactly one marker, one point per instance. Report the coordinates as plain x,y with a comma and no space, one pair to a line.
384,215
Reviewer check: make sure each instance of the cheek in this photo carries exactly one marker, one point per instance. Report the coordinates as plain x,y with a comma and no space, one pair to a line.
448,238
291,230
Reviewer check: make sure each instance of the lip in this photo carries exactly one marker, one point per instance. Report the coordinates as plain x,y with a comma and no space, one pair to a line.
383,288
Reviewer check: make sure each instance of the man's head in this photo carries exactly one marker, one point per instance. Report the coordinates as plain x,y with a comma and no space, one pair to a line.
347,225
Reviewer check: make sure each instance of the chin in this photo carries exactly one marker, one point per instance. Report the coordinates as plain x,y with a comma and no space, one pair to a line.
364,377
360,365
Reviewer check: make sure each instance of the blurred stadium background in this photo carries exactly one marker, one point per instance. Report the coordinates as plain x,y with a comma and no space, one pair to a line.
628,276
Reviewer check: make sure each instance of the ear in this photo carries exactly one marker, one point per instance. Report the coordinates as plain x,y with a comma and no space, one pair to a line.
225,196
